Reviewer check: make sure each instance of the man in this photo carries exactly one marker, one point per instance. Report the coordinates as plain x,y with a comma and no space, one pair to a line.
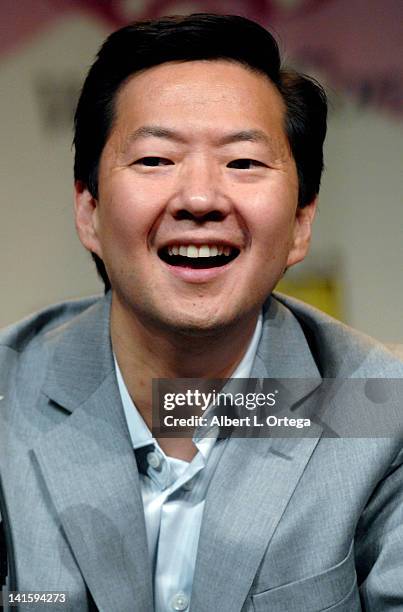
198,163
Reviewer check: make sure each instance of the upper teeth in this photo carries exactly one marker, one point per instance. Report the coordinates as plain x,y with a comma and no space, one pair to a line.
203,251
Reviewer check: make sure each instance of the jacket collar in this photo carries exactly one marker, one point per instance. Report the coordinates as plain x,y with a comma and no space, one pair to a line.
80,356
283,350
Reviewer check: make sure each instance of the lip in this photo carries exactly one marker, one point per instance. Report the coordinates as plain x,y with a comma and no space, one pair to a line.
197,275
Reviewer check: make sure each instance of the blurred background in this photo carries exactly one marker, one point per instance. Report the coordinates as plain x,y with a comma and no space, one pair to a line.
354,47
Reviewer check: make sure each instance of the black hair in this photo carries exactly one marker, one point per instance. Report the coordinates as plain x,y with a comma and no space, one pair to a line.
200,36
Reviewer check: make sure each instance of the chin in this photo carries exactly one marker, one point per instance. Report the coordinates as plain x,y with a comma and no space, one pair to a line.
215,323
195,324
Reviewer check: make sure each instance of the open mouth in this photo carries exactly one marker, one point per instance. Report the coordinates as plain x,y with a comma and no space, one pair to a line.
199,257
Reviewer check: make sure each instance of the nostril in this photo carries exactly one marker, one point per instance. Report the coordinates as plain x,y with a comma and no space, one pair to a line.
215,215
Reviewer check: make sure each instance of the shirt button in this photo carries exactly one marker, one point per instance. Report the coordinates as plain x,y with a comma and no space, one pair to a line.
179,601
154,460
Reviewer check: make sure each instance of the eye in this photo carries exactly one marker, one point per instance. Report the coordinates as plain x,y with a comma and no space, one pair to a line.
153,161
245,164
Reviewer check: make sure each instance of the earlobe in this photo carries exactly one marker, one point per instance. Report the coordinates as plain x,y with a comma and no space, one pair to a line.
86,218
302,232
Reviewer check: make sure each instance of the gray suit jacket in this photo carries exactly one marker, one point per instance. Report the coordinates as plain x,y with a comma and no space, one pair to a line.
290,524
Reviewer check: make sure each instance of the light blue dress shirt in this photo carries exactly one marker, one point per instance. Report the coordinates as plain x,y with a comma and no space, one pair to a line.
174,493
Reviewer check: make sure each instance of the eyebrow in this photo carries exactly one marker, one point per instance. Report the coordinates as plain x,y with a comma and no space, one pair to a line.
157,131
246,136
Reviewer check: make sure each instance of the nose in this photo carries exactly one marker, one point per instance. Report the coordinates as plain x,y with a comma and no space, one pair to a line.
199,193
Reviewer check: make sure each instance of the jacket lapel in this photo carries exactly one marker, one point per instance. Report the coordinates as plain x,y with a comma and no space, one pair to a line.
88,465
256,477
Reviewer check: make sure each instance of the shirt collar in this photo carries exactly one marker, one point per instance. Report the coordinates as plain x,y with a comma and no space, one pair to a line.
244,367
139,431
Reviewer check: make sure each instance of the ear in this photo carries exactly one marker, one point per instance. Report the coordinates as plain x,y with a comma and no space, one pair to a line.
86,218
302,232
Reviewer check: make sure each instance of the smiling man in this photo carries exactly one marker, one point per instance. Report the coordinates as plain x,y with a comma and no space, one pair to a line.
195,217
197,169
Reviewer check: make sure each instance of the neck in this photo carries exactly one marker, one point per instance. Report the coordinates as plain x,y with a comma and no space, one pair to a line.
145,351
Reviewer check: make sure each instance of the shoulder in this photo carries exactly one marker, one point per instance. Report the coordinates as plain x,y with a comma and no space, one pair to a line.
29,340
339,350
35,328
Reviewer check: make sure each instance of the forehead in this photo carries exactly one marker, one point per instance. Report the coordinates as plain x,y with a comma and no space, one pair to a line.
214,95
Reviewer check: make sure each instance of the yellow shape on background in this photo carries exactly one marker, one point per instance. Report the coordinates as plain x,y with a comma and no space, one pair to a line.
323,292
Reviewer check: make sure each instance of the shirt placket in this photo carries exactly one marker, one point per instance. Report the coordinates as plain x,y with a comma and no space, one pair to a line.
172,586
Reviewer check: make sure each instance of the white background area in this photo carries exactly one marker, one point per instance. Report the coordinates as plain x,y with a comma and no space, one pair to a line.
360,220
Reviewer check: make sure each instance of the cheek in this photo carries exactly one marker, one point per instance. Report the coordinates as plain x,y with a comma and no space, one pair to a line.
127,215
270,218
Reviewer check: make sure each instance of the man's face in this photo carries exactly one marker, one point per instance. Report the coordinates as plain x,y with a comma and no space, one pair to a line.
196,217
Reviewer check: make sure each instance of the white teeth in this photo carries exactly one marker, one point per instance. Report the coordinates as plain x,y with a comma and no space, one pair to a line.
193,251
204,251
